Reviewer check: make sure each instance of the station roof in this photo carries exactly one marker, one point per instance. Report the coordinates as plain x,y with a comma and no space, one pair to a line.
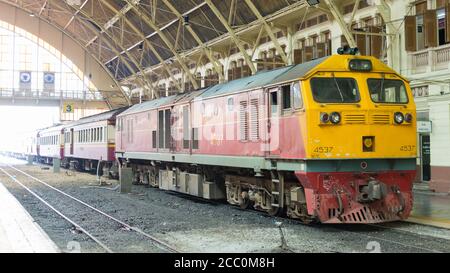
125,23
133,38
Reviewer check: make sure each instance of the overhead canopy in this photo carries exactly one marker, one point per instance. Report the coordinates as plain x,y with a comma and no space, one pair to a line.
157,36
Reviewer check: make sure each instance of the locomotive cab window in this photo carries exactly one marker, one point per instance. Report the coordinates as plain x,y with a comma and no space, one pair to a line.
286,97
387,91
274,102
297,96
335,90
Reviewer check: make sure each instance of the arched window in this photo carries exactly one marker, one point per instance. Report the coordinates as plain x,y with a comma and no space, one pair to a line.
32,66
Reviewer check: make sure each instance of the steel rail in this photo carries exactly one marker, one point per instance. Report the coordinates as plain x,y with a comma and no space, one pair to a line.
152,238
58,212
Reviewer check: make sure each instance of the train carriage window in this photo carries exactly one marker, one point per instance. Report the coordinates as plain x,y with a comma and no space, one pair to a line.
297,96
335,90
286,97
274,103
230,104
387,91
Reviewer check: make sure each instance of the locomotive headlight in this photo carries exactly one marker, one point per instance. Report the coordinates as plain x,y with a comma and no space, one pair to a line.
335,117
399,118
324,117
408,118
360,65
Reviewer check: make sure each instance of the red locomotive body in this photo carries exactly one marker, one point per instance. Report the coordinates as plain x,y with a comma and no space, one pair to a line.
284,141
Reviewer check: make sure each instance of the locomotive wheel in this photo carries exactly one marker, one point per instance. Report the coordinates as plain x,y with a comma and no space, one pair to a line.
275,211
244,201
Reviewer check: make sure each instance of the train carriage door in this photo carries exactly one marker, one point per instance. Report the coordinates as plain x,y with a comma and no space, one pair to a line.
273,128
71,141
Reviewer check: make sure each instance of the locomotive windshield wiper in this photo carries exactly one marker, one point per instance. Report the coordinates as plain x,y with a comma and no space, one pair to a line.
338,88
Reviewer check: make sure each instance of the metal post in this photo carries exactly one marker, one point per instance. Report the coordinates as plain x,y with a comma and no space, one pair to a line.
126,179
56,165
30,159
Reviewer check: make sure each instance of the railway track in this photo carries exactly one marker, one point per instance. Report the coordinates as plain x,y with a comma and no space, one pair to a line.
91,211
388,235
367,231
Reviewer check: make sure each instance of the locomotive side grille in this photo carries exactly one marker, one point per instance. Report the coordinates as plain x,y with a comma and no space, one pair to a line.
380,119
243,120
354,118
254,119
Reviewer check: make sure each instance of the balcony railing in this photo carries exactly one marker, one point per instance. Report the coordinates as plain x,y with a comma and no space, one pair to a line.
50,95
430,59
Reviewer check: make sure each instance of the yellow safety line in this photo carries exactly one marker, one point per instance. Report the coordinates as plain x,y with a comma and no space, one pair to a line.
430,221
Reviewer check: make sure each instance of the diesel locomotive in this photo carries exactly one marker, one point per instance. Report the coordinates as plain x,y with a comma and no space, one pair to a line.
332,140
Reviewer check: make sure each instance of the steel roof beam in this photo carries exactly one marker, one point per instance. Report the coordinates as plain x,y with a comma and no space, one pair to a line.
217,66
113,20
147,43
268,30
144,81
242,30
163,28
233,35
163,37
111,46
341,22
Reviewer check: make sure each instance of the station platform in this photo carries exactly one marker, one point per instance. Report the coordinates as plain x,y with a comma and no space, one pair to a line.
18,231
430,208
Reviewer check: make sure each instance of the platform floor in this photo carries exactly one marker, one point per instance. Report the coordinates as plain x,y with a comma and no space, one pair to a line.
18,231
430,208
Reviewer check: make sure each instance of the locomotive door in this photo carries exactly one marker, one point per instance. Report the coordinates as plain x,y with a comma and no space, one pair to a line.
71,141
273,124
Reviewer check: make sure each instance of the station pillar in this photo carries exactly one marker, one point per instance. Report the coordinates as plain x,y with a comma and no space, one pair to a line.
126,179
